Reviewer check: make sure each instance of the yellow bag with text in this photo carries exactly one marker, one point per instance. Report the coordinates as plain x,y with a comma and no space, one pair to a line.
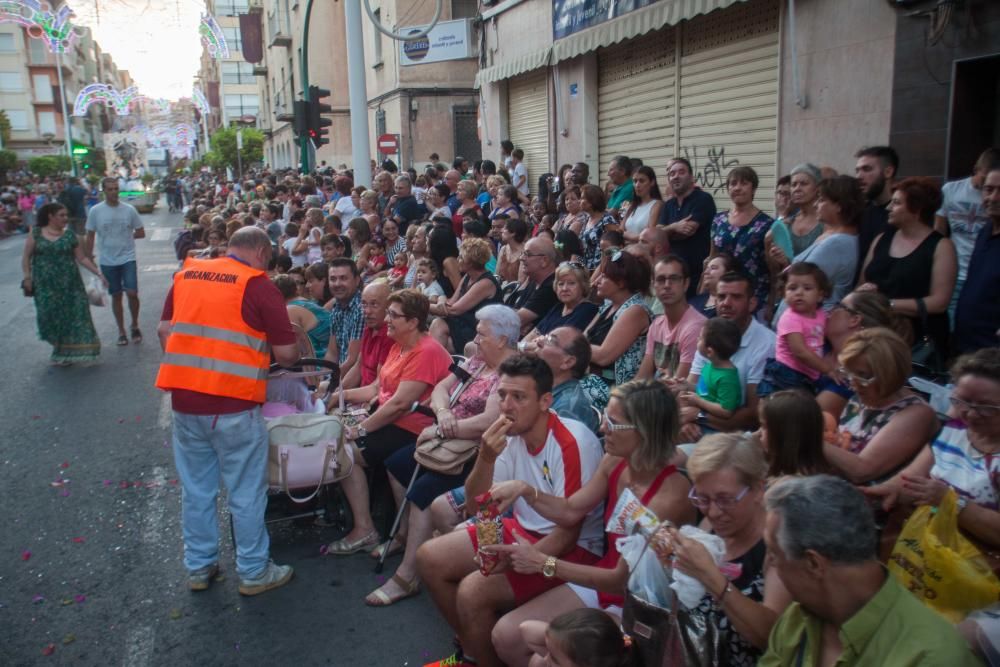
939,565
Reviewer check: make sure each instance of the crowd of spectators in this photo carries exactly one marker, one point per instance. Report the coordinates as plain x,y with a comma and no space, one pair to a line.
746,373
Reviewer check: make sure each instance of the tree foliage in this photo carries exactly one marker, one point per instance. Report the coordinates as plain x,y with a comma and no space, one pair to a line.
223,153
49,165
4,128
8,160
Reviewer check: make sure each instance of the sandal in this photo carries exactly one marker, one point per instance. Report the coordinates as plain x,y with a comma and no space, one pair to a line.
379,598
136,336
122,340
394,547
343,547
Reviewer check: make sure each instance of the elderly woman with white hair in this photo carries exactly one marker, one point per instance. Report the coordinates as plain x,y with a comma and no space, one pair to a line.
465,418
790,236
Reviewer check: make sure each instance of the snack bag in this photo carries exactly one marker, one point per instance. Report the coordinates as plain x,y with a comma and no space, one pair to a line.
489,530
630,516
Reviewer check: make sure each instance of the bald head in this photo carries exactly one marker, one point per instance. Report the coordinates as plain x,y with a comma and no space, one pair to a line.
451,178
252,245
373,303
540,258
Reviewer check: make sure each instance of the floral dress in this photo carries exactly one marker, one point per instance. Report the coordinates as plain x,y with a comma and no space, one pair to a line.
591,240
61,305
859,425
472,402
627,365
746,245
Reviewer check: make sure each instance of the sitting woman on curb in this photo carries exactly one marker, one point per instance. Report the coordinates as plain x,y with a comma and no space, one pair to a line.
416,363
640,427
311,318
455,324
467,419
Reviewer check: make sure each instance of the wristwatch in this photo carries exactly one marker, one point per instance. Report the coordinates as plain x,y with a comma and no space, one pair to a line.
549,567
961,503
362,431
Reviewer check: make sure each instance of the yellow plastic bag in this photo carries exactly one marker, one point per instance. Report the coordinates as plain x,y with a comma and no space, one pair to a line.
940,566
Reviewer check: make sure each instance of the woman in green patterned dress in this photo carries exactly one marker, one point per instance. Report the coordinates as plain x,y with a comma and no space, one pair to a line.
51,253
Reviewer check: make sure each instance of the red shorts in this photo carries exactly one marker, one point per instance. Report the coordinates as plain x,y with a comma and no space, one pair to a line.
529,586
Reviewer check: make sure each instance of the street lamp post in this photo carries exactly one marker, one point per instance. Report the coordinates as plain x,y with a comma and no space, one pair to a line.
67,123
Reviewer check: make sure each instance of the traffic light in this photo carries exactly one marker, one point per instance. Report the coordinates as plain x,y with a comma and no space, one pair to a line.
301,110
317,123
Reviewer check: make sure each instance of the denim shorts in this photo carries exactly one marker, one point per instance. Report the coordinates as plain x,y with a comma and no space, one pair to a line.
778,377
122,277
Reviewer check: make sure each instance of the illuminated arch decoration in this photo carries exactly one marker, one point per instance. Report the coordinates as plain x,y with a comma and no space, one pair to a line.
200,102
42,23
104,93
212,37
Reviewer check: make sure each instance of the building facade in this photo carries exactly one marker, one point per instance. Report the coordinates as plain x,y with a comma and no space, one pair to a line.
712,81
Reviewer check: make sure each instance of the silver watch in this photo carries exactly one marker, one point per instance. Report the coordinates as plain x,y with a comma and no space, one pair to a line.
362,431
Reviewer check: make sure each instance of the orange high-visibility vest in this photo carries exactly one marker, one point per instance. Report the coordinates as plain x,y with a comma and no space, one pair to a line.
211,349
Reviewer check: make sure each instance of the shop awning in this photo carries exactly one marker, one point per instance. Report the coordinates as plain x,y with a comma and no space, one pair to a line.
633,24
514,66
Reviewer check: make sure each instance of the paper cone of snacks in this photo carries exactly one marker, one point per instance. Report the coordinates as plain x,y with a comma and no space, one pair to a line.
489,530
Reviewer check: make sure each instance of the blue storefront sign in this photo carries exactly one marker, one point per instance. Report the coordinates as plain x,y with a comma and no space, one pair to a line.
571,16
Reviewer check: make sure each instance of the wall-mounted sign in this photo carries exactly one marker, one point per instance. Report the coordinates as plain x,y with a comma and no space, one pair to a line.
570,16
449,40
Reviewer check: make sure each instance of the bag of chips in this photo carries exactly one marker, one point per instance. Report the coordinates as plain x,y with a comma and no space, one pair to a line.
489,530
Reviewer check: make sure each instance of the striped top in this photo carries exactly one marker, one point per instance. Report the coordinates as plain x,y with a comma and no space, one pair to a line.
973,474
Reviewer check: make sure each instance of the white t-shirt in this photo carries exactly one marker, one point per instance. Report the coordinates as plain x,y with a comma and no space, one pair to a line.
114,226
431,291
962,206
297,260
346,210
756,347
516,173
568,460
639,219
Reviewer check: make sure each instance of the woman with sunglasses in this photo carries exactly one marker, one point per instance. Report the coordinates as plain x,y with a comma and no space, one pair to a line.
572,287
640,428
965,455
884,424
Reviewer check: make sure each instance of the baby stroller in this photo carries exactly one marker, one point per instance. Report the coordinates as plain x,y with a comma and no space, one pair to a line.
306,450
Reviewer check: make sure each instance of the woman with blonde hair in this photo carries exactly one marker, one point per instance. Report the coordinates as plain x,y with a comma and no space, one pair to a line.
640,427
455,324
884,424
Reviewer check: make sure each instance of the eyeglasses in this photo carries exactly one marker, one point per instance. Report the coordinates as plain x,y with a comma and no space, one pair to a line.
981,409
856,379
615,254
612,426
526,254
724,503
673,278
844,307
394,315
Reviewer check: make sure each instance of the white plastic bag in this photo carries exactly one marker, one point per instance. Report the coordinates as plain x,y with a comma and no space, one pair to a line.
689,590
95,291
648,579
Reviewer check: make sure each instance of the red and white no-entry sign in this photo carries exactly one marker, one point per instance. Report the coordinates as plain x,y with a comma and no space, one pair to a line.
388,144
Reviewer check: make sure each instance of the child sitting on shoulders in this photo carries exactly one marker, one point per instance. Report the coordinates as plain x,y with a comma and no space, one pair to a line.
798,352
719,391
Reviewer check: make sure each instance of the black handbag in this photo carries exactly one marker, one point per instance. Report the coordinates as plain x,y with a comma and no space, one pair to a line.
655,633
925,357
28,291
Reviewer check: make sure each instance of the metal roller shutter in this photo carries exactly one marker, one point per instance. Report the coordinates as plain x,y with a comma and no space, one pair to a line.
635,101
528,121
729,96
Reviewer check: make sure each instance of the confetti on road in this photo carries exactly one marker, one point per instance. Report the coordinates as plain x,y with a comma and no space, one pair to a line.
80,599
49,649
38,599
25,555
175,614
79,540
69,639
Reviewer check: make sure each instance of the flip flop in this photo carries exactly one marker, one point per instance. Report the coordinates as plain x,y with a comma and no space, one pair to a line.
379,598
122,340
136,336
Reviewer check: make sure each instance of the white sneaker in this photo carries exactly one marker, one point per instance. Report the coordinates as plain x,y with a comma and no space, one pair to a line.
274,576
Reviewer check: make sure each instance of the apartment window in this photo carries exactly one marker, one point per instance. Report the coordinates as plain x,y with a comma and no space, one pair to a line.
242,105
464,9
43,88
37,52
6,42
18,119
10,82
233,38
47,122
237,72
232,7
377,38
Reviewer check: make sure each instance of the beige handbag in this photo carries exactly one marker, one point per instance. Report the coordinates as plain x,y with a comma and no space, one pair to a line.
306,451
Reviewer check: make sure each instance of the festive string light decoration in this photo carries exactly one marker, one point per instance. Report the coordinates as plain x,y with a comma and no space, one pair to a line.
212,37
42,23
200,103
102,92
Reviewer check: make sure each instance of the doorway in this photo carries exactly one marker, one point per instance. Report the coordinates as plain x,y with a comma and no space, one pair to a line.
975,113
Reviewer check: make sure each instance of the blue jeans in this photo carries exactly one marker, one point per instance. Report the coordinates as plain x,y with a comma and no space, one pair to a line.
233,447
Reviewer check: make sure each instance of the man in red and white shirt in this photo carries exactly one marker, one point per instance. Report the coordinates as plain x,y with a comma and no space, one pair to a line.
530,443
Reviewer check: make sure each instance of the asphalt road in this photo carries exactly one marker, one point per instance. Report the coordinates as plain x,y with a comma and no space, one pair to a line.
90,558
